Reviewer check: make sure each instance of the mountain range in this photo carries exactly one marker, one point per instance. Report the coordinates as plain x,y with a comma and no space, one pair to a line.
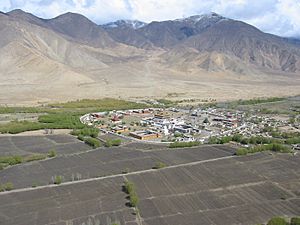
202,56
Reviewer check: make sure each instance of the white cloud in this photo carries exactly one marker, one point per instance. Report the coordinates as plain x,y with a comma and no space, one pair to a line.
5,5
280,17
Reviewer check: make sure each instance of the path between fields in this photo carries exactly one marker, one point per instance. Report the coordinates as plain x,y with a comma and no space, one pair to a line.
116,175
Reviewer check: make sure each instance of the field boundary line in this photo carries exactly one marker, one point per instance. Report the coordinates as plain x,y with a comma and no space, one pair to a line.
116,175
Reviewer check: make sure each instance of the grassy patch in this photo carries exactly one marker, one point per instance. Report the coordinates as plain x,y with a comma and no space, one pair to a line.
17,159
14,110
166,102
11,160
129,188
63,115
159,165
15,127
106,104
52,153
241,151
34,157
255,101
57,180
113,142
184,144
6,187
95,143
274,147
87,131
277,221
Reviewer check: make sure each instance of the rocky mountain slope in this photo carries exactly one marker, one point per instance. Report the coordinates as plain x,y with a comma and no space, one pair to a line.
207,35
73,58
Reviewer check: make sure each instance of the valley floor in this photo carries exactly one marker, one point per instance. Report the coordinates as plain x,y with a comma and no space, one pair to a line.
207,184
146,81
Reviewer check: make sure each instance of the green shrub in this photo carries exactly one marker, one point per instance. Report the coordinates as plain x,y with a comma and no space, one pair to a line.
159,165
52,153
184,144
9,186
293,140
11,160
275,147
35,157
125,171
58,180
95,143
81,137
134,200
245,141
277,221
87,131
226,139
6,187
241,151
237,137
15,127
295,221
129,187
270,147
278,148
113,142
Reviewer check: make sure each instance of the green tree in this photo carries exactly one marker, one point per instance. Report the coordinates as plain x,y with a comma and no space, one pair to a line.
295,221
58,180
51,153
277,221
134,200
237,137
129,187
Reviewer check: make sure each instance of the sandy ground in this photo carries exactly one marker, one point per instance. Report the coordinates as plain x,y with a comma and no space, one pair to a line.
147,80
39,133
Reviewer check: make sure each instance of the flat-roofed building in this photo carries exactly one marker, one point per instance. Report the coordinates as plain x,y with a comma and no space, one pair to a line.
145,134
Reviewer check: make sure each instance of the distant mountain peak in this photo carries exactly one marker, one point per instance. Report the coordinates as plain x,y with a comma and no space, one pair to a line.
197,18
71,16
135,24
25,16
20,13
16,11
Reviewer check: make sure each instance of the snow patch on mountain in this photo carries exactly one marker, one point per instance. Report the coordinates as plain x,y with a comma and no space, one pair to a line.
135,24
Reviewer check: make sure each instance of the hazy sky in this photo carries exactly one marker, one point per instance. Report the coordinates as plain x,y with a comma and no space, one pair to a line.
281,17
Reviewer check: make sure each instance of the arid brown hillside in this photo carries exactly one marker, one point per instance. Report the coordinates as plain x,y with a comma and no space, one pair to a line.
209,56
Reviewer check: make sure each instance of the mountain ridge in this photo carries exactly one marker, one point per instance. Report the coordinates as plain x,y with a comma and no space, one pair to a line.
77,58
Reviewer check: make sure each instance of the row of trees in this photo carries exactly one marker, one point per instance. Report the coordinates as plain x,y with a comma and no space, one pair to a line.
243,140
255,101
274,147
184,144
129,189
